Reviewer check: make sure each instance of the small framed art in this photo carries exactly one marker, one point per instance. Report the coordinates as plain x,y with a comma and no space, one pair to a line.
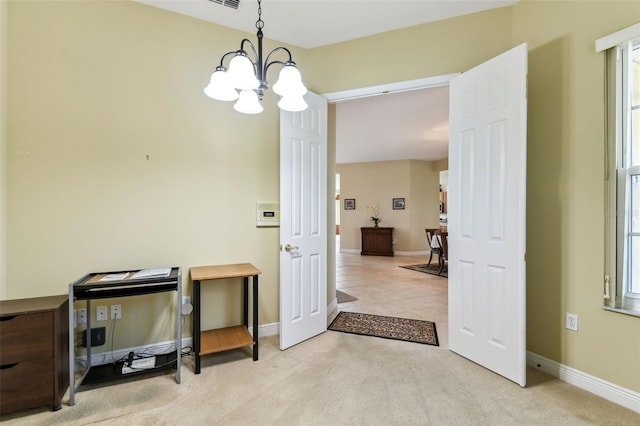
349,203
398,203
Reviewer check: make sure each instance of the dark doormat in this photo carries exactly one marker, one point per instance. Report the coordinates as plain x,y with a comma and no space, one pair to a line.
344,297
408,330
431,269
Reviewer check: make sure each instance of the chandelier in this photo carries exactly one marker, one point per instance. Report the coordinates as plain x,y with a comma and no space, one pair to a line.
245,79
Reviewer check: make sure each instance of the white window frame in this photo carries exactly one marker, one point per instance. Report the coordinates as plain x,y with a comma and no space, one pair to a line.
620,171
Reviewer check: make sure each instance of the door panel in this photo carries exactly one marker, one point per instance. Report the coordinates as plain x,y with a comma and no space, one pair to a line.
303,222
487,183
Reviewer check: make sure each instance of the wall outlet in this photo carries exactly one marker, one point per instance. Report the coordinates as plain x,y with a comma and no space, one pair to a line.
572,322
116,311
101,313
82,316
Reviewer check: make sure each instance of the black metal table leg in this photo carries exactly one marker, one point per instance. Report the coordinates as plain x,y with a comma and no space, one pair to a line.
245,301
196,324
255,317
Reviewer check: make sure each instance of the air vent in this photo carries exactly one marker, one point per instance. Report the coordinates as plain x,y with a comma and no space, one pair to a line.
233,4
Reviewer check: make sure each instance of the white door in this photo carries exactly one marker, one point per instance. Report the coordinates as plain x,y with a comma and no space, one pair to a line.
303,222
487,192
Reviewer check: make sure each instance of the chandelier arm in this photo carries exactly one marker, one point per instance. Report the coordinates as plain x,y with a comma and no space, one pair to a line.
253,49
276,50
266,67
223,58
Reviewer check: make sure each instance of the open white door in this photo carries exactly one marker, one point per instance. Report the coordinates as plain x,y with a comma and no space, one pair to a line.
303,222
487,193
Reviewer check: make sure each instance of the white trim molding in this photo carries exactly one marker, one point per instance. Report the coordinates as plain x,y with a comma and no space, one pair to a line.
607,390
411,253
396,253
331,307
159,348
353,251
383,89
618,37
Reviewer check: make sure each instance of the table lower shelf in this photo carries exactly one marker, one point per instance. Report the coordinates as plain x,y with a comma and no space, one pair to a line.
107,373
224,339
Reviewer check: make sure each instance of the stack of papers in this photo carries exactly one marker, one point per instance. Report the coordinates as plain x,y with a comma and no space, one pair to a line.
152,273
115,277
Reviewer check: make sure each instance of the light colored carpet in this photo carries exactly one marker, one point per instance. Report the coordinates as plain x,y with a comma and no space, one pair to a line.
336,379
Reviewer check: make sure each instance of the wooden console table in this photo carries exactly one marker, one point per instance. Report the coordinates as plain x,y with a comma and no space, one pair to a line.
228,338
377,241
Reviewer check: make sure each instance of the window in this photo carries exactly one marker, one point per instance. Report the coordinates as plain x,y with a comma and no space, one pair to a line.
622,265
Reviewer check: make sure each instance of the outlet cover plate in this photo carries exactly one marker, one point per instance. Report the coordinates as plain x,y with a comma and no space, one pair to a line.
116,311
572,322
101,313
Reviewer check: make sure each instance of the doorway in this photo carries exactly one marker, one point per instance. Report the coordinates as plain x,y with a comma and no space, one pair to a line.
373,277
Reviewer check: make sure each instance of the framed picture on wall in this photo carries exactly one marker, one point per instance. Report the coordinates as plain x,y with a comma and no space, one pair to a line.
349,203
398,203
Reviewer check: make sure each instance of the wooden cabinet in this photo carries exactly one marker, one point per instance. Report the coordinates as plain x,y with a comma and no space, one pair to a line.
377,241
443,202
34,352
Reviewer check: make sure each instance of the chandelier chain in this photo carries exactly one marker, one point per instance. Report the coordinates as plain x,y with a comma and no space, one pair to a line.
259,22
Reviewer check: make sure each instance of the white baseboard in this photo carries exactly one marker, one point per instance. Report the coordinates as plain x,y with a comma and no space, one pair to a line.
331,307
607,390
100,358
397,253
411,253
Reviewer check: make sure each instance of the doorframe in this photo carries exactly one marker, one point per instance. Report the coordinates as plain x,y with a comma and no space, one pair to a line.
385,89
358,93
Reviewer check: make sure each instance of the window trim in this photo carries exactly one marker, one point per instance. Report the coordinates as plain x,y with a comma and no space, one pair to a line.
617,171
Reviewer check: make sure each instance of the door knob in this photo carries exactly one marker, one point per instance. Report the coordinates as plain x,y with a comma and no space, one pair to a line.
288,248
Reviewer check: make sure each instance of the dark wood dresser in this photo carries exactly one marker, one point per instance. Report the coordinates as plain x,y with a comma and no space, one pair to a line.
377,241
34,352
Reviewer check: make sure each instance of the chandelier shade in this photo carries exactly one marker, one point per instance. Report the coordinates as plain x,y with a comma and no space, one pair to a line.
248,103
241,73
220,87
289,82
245,78
292,103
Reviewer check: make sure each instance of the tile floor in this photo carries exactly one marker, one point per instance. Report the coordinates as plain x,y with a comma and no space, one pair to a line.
383,288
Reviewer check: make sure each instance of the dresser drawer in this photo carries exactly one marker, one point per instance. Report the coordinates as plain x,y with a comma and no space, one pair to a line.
26,337
25,385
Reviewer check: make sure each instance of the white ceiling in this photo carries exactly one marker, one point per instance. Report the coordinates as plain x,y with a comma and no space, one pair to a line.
313,23
399,126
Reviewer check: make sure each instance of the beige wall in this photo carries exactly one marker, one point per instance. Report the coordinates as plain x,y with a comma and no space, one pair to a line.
565,190
95,87
4,18
380,182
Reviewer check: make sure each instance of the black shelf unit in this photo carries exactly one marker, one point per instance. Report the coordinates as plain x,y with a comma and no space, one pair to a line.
92,286
107,373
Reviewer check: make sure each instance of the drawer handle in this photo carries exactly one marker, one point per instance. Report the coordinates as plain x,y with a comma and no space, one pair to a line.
8,318
7,366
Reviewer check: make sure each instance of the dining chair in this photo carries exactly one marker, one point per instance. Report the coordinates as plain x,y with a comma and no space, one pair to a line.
442,239
434,247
